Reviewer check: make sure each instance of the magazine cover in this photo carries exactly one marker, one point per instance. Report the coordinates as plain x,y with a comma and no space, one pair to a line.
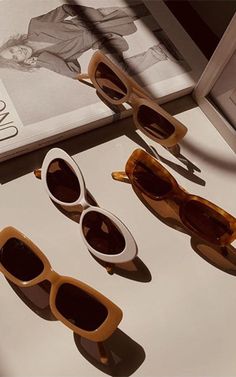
45,44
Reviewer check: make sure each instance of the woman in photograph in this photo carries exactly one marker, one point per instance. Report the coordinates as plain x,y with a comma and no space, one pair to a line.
57,39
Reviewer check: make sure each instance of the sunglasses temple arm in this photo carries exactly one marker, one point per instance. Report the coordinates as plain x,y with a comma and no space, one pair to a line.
37,173
102,353
82,76
120,176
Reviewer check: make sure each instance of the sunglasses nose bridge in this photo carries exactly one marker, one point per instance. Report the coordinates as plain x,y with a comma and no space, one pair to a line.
53,276
133,98
84,204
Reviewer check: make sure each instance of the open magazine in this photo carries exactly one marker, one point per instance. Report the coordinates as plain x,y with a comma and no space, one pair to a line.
45,44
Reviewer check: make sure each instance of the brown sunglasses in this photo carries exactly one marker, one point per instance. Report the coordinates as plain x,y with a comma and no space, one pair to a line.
205,219
78,306
117,87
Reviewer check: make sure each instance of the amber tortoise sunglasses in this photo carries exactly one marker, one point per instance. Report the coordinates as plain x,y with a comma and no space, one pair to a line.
203,218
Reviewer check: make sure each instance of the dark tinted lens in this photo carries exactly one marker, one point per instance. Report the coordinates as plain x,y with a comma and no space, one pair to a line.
102,234
205,221
152,182
109,82
80,308
62,181
154,123
18,259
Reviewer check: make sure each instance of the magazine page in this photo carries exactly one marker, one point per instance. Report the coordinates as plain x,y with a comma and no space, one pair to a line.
45,44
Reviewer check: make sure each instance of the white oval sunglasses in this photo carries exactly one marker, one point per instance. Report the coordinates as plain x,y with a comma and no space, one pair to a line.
105,236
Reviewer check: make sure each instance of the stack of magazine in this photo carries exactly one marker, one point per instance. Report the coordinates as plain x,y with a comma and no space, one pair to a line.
45,44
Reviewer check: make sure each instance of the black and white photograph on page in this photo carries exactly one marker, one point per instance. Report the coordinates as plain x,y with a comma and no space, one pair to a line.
45,44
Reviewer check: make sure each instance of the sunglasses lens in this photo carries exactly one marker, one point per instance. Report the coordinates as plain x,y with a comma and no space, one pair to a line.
154,123
109,82
102,234
20,261
78,307
62,181
150,181
205,221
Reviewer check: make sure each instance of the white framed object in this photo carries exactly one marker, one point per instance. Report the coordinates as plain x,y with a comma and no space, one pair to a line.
215,92
129,250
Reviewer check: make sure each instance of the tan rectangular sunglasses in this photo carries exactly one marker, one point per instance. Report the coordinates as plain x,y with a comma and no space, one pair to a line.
77,305
116,87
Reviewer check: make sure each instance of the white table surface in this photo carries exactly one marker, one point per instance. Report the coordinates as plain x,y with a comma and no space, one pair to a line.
179,310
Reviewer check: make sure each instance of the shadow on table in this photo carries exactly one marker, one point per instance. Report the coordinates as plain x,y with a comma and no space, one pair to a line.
187,172
27,163
3,372
36,298
222,257
125,355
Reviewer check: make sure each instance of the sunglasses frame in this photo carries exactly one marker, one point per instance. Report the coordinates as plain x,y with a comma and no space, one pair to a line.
114,316
177,192
130,250
135,97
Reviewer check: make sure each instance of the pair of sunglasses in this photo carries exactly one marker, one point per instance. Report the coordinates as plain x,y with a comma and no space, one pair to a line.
117,87
105,236
78,306
200,216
